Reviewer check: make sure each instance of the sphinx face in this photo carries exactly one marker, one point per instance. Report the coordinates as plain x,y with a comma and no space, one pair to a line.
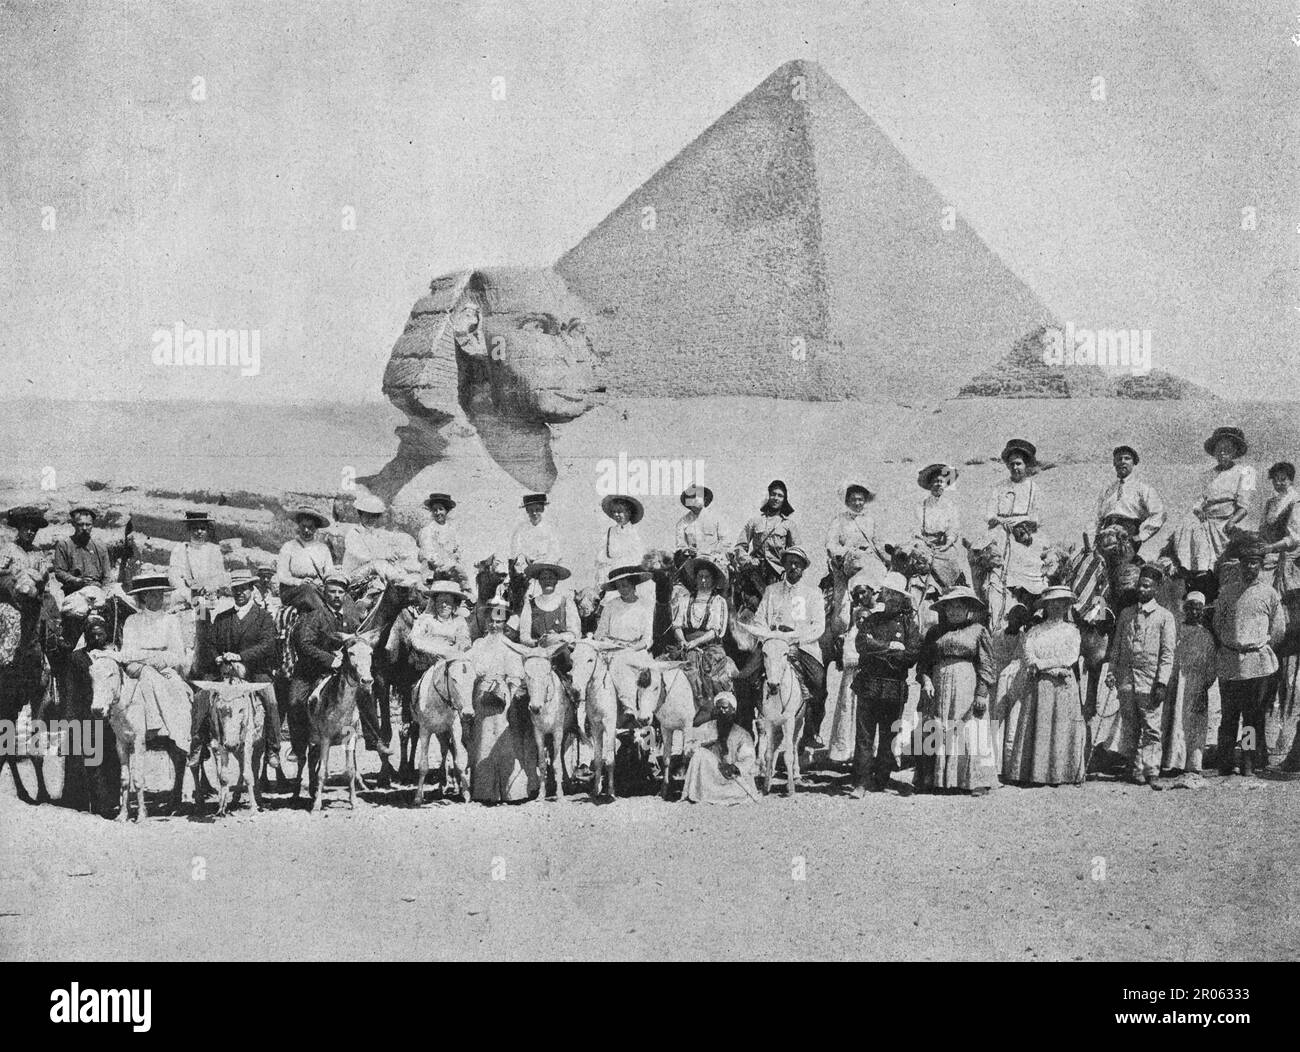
540,364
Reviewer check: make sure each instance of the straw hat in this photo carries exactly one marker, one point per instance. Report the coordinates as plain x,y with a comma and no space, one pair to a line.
536,570
691,491
370,505
719,574
638,511
798,553
959,592
1056,591
311,514
439,498
150,582
624,573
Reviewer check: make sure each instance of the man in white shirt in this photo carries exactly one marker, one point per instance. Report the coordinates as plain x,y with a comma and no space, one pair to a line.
795,605
1130,502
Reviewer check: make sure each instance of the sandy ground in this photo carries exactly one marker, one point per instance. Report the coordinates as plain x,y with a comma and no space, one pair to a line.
1105,871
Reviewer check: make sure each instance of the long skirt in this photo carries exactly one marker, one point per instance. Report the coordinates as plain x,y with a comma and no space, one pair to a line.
956,746
1198,544
168,703
844,720
502,751
1046,734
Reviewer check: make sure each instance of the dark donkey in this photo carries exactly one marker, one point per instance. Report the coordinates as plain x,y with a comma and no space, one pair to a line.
333,717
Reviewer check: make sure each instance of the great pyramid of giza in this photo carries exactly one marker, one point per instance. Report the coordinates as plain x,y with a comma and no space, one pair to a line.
792,251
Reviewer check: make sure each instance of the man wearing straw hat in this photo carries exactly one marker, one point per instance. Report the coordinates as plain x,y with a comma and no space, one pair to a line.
792,604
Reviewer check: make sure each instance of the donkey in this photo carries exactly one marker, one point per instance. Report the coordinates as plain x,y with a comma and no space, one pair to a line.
333,718
442,697
124,710
664,695
593,677
238,730
782,716
552,713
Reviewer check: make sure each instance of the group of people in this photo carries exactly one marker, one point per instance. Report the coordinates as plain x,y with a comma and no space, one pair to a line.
995,647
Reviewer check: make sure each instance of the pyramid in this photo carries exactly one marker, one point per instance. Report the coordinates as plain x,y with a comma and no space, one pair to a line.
791,251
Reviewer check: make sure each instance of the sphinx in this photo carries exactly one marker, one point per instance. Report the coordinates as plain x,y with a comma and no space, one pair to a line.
499,352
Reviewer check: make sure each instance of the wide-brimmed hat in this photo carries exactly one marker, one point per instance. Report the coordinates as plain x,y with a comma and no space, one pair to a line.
536,570
638,511
693,567
851,487
82,509
1056,591
150,582
1022,446
439,498
798,553
691,491
786,508
624,573
446,587
1126,449
959,592
534,498
370,505
1233,434
310,513
27,513
241,579
198,518
925,478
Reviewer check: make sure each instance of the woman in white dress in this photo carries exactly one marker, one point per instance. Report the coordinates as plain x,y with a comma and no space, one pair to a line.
155,659
1226,494
1046,733
938,525
621,543
1014,515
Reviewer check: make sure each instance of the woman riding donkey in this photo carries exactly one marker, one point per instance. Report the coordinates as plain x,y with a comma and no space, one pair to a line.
699,627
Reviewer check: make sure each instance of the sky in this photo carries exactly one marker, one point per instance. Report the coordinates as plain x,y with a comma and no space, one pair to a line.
302,170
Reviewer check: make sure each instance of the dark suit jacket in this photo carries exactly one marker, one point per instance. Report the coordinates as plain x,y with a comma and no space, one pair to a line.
318,637
253,639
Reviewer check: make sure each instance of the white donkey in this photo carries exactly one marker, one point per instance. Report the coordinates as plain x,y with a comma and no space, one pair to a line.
781,717
442,697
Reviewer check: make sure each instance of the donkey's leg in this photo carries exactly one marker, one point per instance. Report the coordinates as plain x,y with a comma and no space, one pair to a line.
179,759
422,759
464,776
124,778
137,777
322,773
666,788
